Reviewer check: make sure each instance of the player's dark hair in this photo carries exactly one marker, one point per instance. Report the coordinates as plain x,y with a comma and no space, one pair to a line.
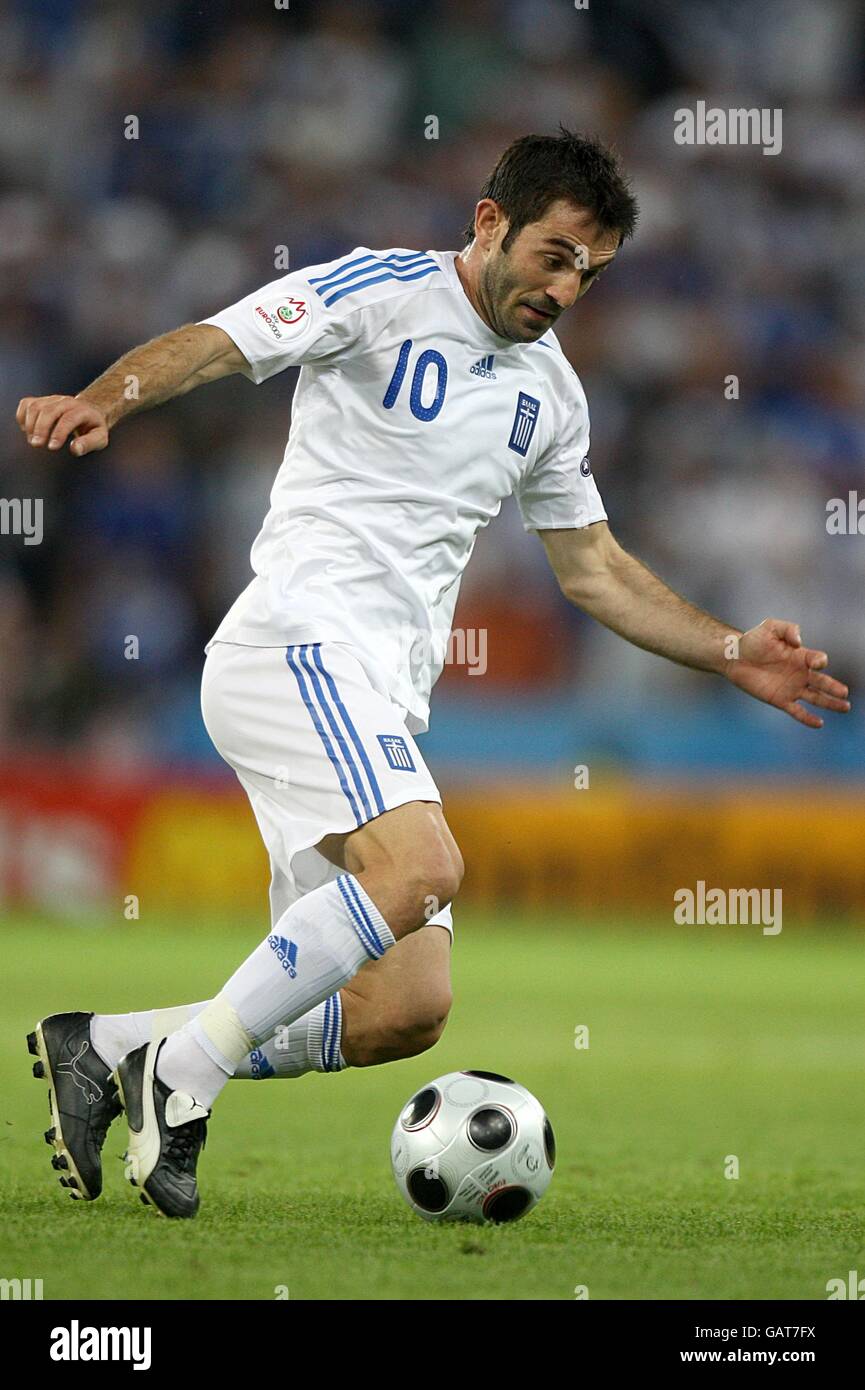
536,170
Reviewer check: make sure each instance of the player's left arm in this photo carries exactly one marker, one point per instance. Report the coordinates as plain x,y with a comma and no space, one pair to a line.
768,661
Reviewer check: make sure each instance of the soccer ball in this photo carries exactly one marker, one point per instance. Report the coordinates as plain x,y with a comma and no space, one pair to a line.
472,1146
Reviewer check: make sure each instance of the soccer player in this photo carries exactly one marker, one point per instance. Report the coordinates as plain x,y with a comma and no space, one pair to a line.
433,386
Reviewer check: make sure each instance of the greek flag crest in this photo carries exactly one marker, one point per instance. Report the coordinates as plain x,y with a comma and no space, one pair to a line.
525,419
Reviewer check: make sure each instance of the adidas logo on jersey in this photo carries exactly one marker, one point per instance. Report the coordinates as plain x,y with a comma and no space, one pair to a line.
484,367
286,953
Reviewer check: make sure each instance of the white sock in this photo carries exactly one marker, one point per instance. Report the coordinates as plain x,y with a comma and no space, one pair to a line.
319,944
311,1043
113,1035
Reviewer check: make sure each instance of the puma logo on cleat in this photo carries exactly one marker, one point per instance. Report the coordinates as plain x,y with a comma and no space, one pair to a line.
92,1090
180,1108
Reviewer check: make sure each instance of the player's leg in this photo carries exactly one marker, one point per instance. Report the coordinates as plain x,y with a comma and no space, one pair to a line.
78,1052
398,1007
405,861
321,942
392,1008
403,866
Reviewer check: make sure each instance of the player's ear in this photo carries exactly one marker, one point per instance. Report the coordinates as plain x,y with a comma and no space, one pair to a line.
488,219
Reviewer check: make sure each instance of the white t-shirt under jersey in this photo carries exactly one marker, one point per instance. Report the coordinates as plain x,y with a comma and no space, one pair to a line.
411,421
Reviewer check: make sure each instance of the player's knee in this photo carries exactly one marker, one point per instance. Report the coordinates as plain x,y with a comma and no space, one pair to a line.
410,1031
435,878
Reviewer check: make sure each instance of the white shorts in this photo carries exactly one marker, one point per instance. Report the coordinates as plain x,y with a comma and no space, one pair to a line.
318,748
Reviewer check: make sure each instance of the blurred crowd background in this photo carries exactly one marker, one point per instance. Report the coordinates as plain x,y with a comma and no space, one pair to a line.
305,127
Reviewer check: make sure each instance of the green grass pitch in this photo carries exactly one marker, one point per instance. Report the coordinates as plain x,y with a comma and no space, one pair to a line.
704,1042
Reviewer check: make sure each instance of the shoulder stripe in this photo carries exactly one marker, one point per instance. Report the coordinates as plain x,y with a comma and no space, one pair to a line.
371,263
333,275
407,273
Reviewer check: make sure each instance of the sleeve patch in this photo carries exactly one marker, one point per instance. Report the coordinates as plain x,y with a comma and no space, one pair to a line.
283,320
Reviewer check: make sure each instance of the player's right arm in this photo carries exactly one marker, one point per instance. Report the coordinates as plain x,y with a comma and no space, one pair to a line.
157,371
310,316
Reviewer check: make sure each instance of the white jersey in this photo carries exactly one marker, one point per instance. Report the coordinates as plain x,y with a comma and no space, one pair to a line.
411,422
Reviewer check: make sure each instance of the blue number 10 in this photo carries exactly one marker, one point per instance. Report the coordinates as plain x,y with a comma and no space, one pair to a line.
426,359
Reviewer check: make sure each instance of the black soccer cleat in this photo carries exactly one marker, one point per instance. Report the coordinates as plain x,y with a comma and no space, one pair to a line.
83,1098
167,1131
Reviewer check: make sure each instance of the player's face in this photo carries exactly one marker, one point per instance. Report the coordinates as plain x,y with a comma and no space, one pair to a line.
550,264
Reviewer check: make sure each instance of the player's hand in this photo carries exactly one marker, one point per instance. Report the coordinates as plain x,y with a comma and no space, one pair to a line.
772,665
49,421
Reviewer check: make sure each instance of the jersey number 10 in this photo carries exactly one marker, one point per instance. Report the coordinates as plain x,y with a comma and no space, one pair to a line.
427,359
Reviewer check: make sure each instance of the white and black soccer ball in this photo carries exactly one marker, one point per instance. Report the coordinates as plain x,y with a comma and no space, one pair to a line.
473,1146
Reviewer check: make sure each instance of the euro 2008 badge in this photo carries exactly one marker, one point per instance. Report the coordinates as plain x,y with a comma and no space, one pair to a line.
287,319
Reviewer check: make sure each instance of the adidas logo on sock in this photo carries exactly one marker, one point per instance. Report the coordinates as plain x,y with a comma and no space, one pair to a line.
259,1065
484,367
286,953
